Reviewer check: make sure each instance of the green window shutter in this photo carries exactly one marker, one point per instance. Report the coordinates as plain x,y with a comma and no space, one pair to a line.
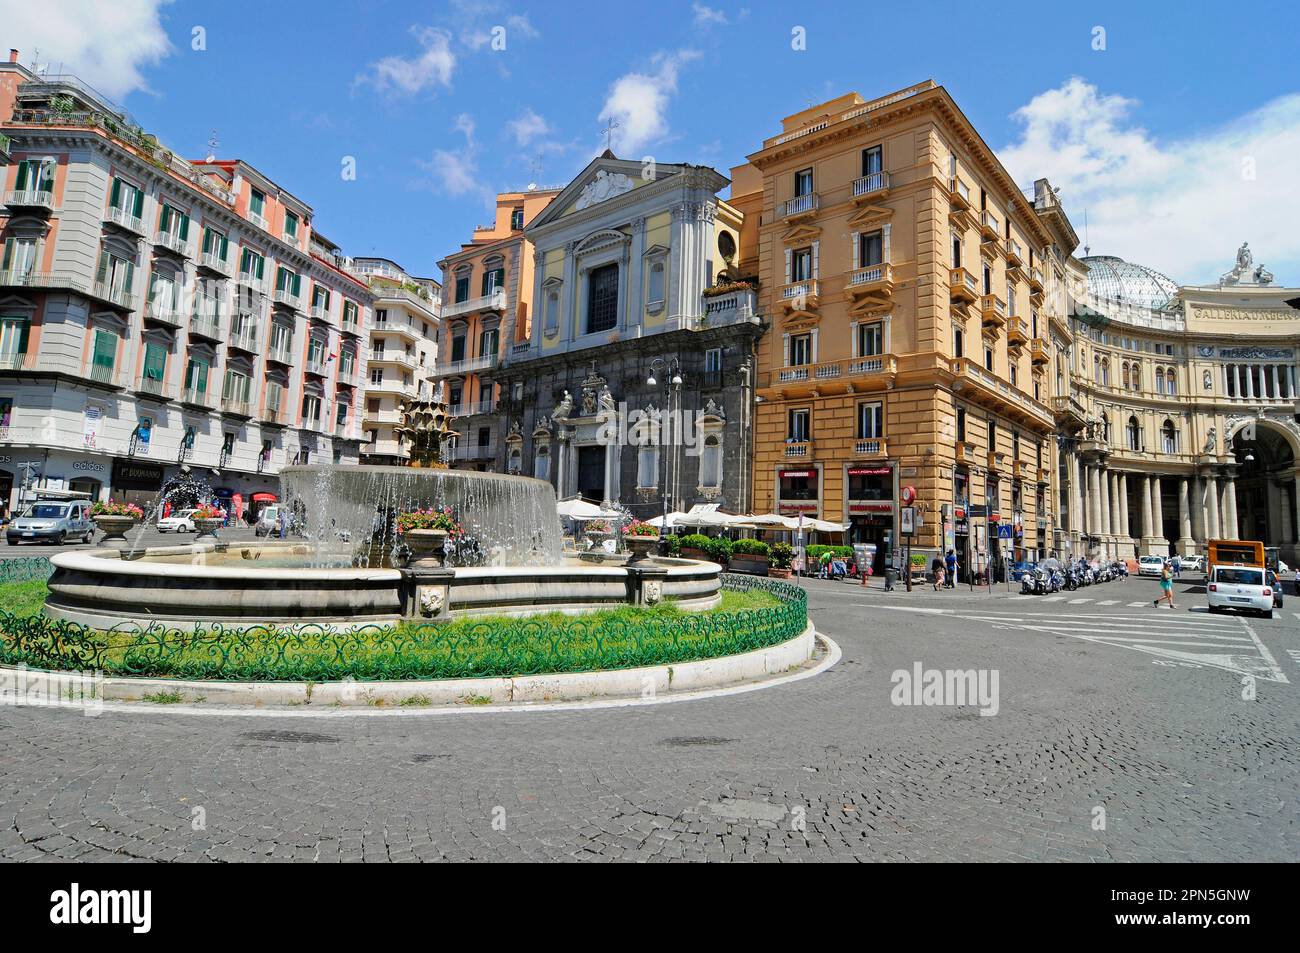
105,349
9,255
207,240
260,264
155,362
21,184
279,279
102,274
130,277
139,203
297,285
165,218
225,247
117,192
185,227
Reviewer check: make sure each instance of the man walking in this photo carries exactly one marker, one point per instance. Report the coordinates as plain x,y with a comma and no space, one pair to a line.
950,563
1178,566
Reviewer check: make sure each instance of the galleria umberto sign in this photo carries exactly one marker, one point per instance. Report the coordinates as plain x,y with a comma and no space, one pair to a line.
1240,314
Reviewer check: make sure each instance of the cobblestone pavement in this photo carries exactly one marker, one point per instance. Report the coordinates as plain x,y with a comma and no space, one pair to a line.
1164,749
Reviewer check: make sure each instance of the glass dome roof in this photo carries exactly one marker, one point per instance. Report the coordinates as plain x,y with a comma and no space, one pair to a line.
1120,280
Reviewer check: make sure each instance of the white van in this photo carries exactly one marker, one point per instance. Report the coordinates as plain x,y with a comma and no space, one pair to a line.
268,523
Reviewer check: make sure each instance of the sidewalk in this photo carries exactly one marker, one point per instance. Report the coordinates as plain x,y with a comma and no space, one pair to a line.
876,586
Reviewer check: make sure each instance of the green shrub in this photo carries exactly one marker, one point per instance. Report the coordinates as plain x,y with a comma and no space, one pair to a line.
674,543
694,541
782,555
719,547
751,547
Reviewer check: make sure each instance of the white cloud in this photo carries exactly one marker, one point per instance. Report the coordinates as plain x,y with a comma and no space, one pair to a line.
707,16
638,102
526,127
1179,205
520,24
433,67
455,172
105,44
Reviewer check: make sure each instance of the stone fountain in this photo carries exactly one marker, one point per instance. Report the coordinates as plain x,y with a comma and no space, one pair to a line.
349,568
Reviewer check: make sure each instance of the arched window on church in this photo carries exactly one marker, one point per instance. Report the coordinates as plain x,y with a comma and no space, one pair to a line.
1134,434
1169,437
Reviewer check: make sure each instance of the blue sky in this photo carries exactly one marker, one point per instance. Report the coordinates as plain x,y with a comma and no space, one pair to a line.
1180,137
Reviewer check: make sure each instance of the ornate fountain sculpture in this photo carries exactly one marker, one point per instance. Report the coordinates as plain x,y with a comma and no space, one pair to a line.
426,425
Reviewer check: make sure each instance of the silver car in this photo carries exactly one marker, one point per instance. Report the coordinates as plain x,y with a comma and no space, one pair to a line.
52,521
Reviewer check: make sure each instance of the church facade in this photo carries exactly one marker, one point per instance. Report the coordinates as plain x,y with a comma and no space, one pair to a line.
635,382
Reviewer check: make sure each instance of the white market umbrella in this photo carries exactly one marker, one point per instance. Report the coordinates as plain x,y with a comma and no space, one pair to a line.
582,510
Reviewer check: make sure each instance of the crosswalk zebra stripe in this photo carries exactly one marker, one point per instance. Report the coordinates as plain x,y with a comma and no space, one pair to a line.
1136,605
1108,602
1077,602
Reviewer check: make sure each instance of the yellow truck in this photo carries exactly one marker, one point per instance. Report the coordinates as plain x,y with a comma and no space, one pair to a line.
1232,552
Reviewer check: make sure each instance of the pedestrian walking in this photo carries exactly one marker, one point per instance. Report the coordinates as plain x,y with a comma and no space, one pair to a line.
936,567
950,565
1166,586
1178,566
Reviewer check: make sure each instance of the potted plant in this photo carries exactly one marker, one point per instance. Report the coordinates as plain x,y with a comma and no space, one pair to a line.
115,519
750,556
719,550
596,532
426,532
641,538
207,520
782,557
694,546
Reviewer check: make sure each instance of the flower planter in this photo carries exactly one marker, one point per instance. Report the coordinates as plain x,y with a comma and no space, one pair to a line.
426,546
779,573
750,564
596,540
206,527
690,553
641,547
115,529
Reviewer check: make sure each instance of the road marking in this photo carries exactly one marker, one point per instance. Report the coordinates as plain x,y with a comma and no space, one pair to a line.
1229,651
1077,602
1137,605
1051,598
1108,602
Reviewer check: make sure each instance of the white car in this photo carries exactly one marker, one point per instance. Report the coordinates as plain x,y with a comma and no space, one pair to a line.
181,521
1150,565
1193,563
1240,587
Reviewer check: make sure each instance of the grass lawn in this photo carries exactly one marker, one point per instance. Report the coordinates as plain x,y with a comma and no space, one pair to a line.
476,647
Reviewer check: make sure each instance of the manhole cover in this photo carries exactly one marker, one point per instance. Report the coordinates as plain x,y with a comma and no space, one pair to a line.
289,737
690,741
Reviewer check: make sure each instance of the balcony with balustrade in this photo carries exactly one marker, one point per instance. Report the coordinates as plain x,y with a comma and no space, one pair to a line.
800,207
472,365
495,300
857,374
288,298
1039,351
990,227
473,408
873,448
198,397
799,450
205,320
213,262
1036,283
962,286
273,415
29,200
801,295
163,313
993,312
244,337
734,307
126,221
871,281
149,386
113,295
172,243
871,187
236,407
1017,332
979,385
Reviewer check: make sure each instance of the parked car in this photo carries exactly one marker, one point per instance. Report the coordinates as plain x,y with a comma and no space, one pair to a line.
1150,565
180,521
52,521
268,524
1193,563
1244,588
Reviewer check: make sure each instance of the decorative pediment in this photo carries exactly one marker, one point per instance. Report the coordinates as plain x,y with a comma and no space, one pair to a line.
801,235
801,321
712,410
870,215
870,307
604,185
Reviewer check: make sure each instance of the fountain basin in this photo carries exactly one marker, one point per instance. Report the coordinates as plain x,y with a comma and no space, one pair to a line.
244,586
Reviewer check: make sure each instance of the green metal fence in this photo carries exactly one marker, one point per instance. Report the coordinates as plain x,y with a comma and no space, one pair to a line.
458,649
25,569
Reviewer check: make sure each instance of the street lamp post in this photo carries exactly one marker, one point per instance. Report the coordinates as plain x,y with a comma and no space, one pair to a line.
672,373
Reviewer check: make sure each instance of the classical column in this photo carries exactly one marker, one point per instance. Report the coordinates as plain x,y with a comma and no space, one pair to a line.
1127,528
1285,519
1095,525
1146,513
1076,495
1212,521
1230,507
1158,517
1186,544
1104,491
1273,499
1114,504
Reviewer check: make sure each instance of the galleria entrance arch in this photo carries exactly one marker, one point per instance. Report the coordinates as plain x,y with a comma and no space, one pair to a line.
1267,483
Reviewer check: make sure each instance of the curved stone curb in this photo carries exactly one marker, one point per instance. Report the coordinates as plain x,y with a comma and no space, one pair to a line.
650,685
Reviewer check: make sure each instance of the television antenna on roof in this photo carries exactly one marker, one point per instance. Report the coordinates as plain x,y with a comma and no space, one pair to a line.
213,143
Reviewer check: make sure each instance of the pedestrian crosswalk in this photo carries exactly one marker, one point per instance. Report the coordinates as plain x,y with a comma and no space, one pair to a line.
1171,637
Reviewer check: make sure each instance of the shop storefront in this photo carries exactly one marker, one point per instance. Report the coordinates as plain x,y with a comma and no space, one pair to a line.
136,482
799,491
961,520
870,505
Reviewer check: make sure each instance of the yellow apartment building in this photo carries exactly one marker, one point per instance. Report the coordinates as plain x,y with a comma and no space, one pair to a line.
488,287
917,308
